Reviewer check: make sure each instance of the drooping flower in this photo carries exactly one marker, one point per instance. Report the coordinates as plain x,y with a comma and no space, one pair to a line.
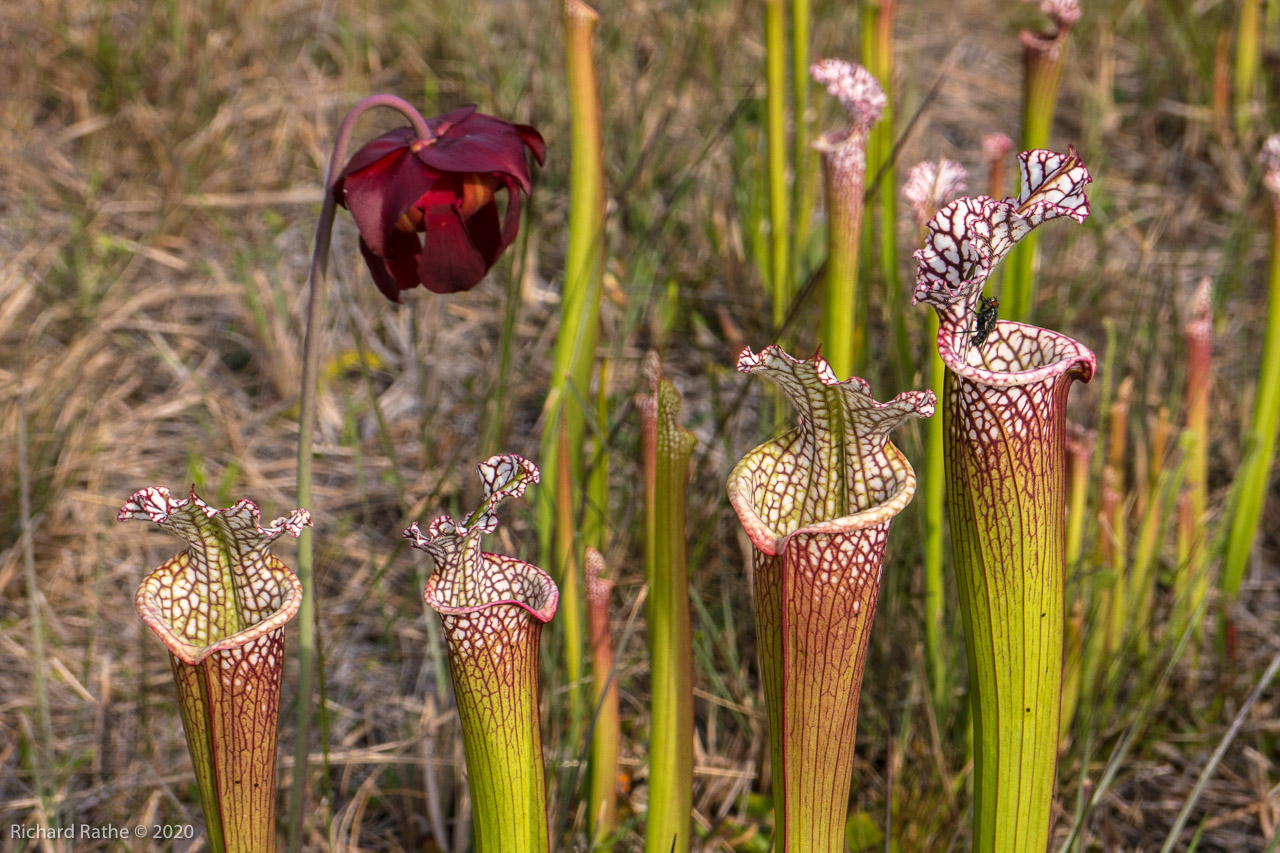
816,503
427,208
493,608
220,608
1004,419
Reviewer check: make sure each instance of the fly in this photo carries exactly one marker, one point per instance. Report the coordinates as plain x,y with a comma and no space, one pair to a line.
985,321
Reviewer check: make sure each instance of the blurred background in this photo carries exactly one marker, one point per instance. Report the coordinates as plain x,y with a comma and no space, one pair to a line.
162,168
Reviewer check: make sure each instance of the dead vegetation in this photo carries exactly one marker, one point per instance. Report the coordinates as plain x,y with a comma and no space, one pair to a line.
162,166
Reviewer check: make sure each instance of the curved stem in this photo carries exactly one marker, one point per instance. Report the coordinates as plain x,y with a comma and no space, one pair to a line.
306,441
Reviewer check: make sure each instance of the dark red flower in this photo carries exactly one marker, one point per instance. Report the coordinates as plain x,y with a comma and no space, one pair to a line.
426,208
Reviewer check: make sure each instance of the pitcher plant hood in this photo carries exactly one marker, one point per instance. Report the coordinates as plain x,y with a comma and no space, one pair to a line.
964,242
837,470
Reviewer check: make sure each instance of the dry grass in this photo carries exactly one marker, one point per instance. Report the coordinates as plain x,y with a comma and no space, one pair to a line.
162,168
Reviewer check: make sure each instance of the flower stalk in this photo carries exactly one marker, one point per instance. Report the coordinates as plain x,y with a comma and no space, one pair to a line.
816,503
220,608
1004,412
1044,56
1250,489
317,293
844,174
435,178
493,608
667,447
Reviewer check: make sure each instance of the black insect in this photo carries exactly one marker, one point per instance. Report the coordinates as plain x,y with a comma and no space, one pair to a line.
985,321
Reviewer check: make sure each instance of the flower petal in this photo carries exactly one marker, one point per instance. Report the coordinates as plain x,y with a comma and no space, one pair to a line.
450,262
482,143
379,195
441,124
388,143
511,221
486,234
530,137
399,271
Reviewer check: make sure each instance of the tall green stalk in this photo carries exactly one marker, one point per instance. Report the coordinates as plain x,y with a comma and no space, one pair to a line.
565,425
595,513
1044,57
568,566
1248,60
877,51
935,603
667,448
1260,441
776,142
844,172
804,175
